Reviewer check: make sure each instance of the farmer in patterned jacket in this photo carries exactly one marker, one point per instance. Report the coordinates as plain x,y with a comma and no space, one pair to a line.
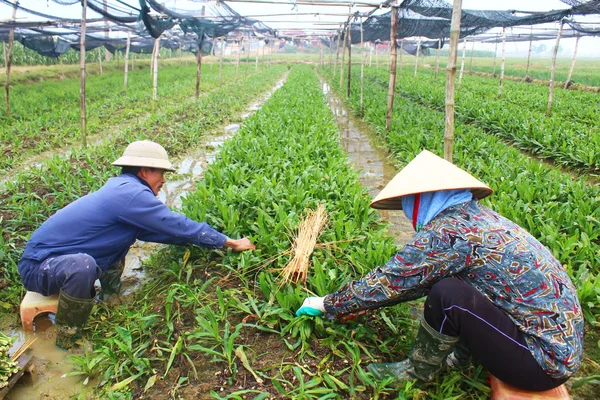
493,291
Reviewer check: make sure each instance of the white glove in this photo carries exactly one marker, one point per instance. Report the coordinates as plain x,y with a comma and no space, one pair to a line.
312,306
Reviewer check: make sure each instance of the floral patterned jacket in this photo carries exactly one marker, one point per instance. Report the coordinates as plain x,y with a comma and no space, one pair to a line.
500,259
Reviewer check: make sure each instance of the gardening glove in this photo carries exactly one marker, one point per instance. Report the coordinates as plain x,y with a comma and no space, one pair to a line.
312,306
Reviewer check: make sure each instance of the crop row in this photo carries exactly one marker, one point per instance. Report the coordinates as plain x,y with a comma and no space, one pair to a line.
224,320
563,213
570,143
38,193
46,115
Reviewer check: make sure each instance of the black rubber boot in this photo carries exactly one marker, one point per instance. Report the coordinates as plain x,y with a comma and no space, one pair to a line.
71,316
459,357
110,280
428,353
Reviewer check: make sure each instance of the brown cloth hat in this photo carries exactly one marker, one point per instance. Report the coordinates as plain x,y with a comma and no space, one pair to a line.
427,173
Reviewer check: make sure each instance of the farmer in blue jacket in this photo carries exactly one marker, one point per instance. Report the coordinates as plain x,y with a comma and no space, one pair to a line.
494,292
89,238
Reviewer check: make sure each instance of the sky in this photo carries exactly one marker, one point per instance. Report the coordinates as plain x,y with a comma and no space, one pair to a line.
588,46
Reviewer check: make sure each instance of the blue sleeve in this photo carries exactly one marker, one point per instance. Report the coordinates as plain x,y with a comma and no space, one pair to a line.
157,223
408,275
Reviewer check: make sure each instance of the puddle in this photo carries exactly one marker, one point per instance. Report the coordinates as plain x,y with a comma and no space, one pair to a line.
50,362
371,161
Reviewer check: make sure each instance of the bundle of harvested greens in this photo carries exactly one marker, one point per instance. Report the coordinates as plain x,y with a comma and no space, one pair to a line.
7,366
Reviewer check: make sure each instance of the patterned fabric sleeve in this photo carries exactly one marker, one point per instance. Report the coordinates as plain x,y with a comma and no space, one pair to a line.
408,275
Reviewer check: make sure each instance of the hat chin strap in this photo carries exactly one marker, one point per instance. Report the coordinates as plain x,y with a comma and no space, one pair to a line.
416,210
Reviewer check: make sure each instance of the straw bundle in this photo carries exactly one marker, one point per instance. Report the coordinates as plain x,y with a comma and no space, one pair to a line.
304,244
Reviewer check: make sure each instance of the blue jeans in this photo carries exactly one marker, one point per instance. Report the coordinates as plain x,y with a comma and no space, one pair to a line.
75,274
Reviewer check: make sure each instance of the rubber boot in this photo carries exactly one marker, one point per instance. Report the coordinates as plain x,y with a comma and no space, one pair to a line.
425,359
71,316
459,357
110,280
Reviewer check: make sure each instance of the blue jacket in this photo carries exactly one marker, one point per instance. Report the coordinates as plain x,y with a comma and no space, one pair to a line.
105,223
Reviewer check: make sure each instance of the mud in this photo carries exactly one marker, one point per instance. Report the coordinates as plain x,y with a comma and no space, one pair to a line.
369,158
52,363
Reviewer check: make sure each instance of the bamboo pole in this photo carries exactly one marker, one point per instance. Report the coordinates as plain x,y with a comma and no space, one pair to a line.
223,43
237,65
371,54
4,53
573,62
100,58
495,56
349,59
337,53
502,62
362,66
417,58
392,86
127,59
343,59
401,54
462,63
554,54
529,54
199,65
330,51
471,60
152,59
8,62
437,60
248,53
132,61
107,54
450,75
256,57
376,56
155,69
263,53
82,108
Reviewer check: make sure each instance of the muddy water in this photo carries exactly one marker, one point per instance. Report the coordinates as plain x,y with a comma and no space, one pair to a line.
370,159
52,363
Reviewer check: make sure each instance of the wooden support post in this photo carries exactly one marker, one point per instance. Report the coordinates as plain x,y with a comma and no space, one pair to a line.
4,53
450,74
529,54
392,85
263,53
471,60
132,61
82,107
256,57
462,63
495,56
343,59
330,51
401,53
437,59
573,62
127,59
349,60
237,65
362,66
152,59
417,58
155,69
199,65
8,60
376,56
554,54
100,58
223,43
247,53
502,62
337,53
371,54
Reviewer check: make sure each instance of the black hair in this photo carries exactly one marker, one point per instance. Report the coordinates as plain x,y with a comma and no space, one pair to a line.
130,170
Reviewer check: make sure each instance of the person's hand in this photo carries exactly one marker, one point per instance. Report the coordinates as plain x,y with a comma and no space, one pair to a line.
240,244
312,306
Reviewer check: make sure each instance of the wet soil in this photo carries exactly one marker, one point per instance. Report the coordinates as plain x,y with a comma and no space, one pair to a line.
50,362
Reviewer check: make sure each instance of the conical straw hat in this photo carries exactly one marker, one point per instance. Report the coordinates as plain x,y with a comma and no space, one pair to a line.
427,173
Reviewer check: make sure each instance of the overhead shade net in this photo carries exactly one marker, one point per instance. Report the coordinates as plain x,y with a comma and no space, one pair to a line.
49,46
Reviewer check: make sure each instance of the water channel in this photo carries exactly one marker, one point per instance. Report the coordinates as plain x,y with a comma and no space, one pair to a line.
51,363
370,160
